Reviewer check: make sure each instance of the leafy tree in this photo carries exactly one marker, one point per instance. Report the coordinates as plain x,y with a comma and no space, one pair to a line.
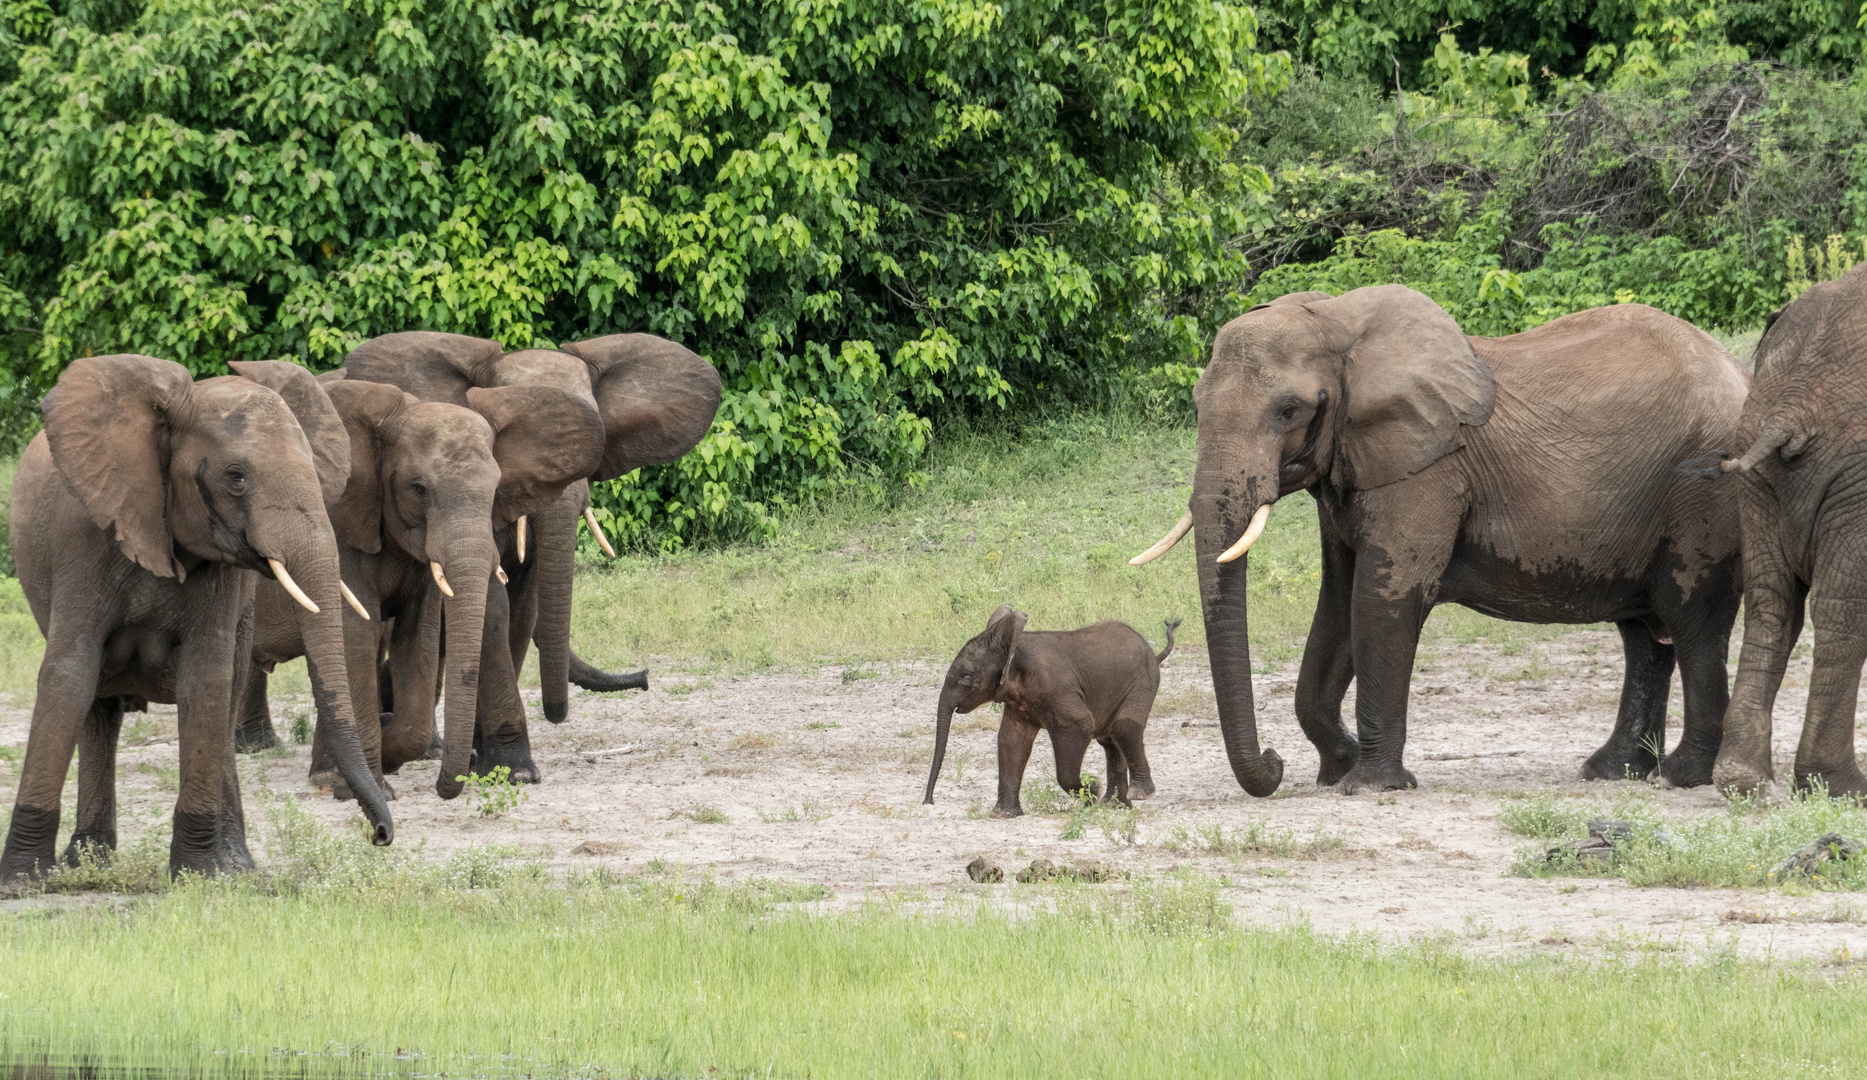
861,211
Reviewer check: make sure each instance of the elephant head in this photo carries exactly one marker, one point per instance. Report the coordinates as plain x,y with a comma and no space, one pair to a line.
1351,393
976,676
237,470
435,481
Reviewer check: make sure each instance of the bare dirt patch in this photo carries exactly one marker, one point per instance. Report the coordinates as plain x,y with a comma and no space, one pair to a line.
816,777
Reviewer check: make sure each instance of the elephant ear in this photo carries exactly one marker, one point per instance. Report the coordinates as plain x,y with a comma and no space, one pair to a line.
1009,627
1412,382
366,408
543,438
429,365
658,399
317,418
107,424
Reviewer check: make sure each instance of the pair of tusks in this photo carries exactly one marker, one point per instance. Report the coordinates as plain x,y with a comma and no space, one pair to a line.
589,518
1252,531
298,594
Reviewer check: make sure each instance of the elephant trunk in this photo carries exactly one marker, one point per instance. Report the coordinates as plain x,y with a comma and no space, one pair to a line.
556,535
470,574
943,723
1225,499
593,678
312,561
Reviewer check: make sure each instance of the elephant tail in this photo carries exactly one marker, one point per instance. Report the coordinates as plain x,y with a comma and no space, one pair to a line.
1161,657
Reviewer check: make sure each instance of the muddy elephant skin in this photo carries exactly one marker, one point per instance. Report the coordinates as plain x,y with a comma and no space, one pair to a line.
656,400
1093,684
143,517
1802,497
1536,477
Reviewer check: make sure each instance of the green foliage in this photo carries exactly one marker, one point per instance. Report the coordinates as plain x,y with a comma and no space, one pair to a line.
864,214
494,794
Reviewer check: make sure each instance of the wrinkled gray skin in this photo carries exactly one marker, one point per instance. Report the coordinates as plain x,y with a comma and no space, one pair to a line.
429,483
139,519
656,400
1097,683
1535,477
1802,491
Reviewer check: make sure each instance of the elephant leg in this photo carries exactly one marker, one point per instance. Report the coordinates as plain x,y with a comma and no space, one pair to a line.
1329,666
233,850
1069,741
1128,736
1117,767
549,593
204,702
95,827
1773,609
1702,650
1385,636
1826,750
500,736
1633,749
408,733
1016,736
255,731
67,690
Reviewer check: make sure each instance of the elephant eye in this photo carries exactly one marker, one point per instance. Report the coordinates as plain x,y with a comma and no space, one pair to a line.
1289,411
420,489
966,678
237,480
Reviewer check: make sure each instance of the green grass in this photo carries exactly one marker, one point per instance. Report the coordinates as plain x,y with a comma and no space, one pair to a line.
1738,848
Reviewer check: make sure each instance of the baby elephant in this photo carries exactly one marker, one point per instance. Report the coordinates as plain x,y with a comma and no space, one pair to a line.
1095,683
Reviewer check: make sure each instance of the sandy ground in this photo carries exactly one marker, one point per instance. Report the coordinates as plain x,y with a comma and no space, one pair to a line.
820,775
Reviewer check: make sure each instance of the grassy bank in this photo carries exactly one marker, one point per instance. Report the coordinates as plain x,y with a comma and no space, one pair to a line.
666,977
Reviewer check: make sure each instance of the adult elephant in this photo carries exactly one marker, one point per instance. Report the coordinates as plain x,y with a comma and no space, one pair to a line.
656,399
429,484
1533,477
1802,497
140,515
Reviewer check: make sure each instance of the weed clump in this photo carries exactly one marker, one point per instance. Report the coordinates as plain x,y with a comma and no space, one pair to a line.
1256,838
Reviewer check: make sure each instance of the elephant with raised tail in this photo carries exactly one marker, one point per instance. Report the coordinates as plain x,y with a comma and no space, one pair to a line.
1535,477
143,518
1802,494
656,400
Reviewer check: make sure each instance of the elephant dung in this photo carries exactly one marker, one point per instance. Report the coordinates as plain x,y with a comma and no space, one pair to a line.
1093,872
1603,835
984,870
1808,859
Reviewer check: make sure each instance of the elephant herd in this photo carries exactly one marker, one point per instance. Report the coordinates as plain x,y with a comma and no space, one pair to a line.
406,523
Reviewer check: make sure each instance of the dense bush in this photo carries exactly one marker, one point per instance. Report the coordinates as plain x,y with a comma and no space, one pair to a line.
862,213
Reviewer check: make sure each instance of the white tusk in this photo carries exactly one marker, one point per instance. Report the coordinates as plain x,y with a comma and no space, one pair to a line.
500,573
1166,542
440,578
521,539
1252,532
351,598
589,518
285,579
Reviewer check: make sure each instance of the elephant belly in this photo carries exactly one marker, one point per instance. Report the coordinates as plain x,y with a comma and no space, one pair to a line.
1559,593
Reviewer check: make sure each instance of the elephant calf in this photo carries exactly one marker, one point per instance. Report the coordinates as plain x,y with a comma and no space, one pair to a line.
1095,683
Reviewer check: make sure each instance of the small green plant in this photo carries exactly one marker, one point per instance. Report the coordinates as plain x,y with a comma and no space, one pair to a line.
494,794
707,815
807,811
301,728
1256,838
1546,815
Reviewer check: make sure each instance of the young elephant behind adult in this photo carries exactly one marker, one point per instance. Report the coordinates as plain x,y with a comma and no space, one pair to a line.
1802,497
1094,683
138,517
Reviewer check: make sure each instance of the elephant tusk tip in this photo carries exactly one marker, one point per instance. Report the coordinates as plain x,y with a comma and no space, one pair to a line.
351,599
500,573
1252,531
589,518
291,587
1166,542
519,537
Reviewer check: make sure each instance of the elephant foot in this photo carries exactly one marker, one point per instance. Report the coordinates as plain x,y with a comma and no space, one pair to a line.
203,845
1611,763
489,753
1681,769
96,845
1337,765
255,735
436,749
1841,782
1007,811
1140,788
1375,778
31,840
1738,776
